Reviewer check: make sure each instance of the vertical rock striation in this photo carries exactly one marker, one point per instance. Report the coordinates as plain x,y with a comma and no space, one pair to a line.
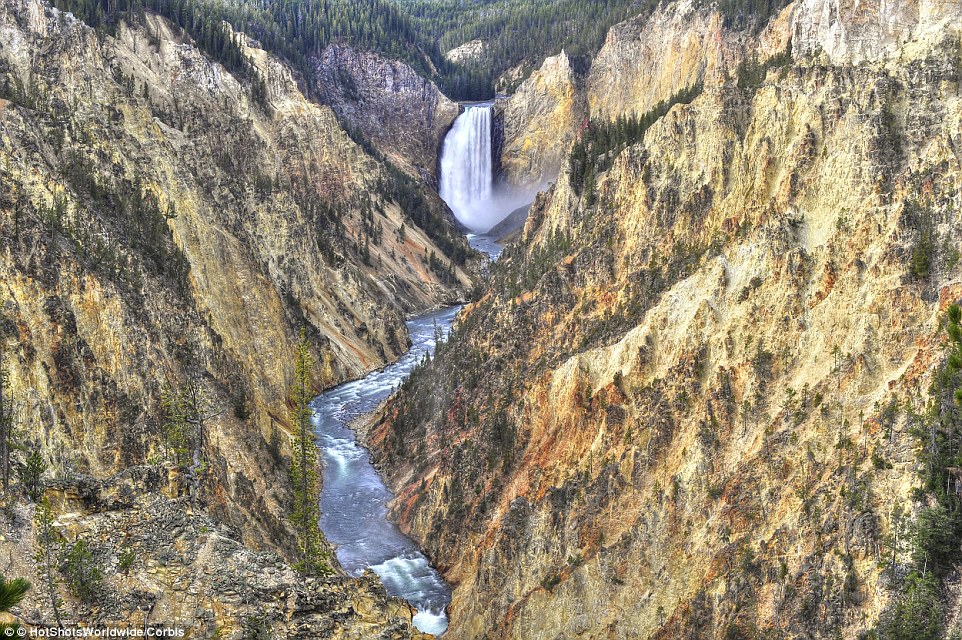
645,60
538,124
164,220
850,32
676,411
403,115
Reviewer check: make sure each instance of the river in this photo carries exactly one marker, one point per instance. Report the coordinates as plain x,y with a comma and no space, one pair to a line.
354,499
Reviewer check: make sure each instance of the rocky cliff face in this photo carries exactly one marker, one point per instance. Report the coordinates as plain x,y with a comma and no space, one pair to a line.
854,32
163,222
683,406
649,58
645,60
163,563
405,116
471,51
538,124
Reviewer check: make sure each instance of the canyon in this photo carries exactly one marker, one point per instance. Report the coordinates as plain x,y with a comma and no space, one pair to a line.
162,226
684,403
702,391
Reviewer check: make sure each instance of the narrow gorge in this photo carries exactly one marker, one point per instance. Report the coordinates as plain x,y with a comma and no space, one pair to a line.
699,396
354,499
529,320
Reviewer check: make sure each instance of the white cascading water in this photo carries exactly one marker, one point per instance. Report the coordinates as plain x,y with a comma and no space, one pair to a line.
466,171
467,175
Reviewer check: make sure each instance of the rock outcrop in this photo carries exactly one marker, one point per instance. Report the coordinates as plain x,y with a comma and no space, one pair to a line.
403,115
651,57
164,565
508,229
538,124
471,51
165,222
851,32
645,60
680,409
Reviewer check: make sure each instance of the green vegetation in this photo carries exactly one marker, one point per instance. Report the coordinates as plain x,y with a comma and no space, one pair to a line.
916,613
174,428
549,582
524,32
12,593
183,412
82,571
919,217
31,474
7,422
746,14
602,141
257,628
934,539
141,241
126,560
305,514
517,276
516,32
418,32
48,543
400,188
115,223
751,73
294,29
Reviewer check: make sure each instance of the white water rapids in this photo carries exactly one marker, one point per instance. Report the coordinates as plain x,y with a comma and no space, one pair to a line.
354,499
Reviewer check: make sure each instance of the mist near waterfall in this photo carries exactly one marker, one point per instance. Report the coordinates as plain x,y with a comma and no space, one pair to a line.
467,173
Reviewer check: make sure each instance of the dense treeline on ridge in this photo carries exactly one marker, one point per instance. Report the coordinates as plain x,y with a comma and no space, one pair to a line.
294,29
522,33
517,34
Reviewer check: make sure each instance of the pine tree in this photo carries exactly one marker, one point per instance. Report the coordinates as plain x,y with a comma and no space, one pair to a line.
47,546
7,423
84,576
305,514
175,429
31,474
11,594
185,413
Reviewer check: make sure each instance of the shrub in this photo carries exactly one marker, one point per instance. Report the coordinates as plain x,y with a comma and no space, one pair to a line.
31,475
83,575
917,614
126,560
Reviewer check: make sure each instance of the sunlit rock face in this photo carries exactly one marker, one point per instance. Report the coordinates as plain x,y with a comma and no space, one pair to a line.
848,31
161,224
644,61
471,51
660,418
538,123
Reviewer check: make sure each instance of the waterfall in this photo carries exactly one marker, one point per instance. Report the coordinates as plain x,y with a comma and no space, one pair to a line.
466,171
